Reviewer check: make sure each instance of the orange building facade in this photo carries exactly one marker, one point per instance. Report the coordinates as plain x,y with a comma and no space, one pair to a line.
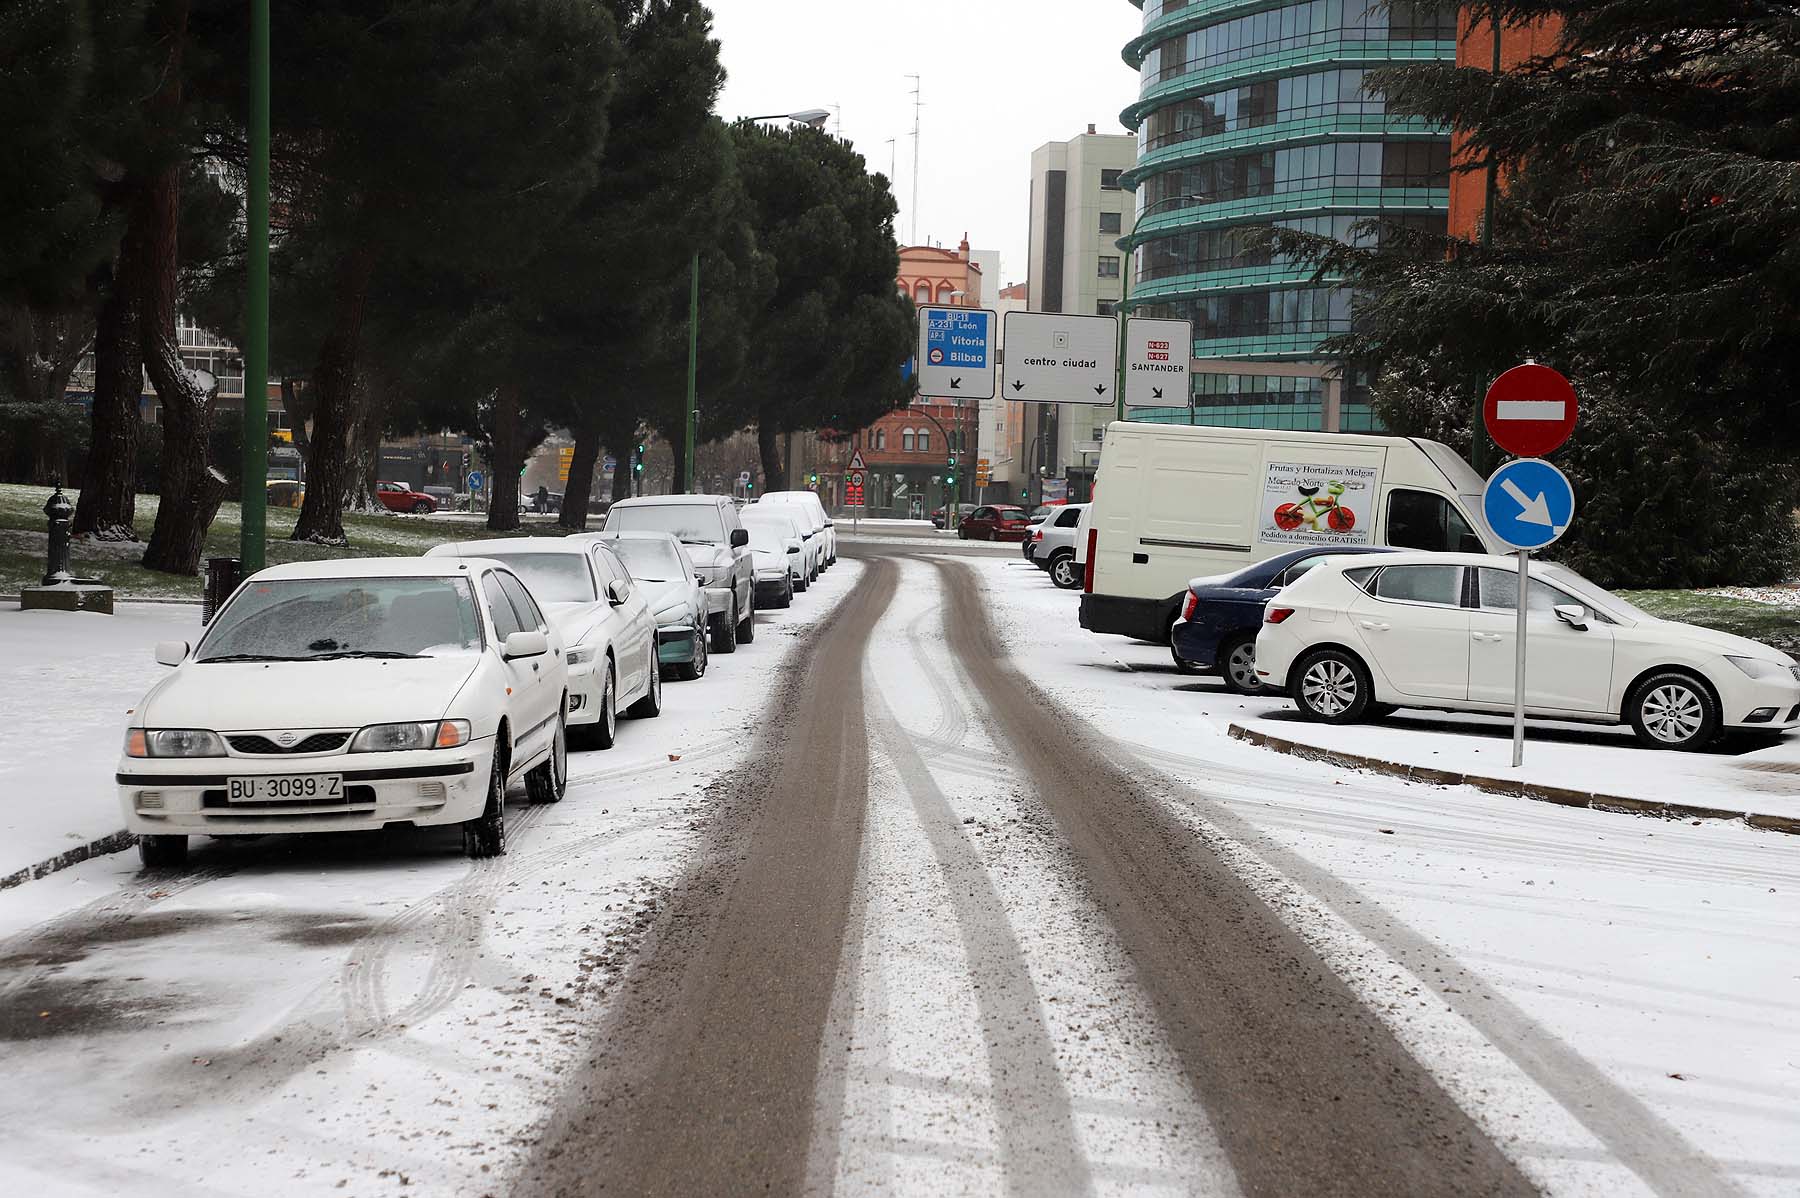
1475,48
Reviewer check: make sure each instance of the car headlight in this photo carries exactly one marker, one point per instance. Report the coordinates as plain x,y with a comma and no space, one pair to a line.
581,655
1756,667
398,738
173,742
674,614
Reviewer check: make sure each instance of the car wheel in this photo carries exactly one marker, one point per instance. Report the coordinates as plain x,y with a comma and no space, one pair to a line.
693,671
725,639
1063,572
747,626
423,508
549,781
485,835
650,706
962,534
606,728
1237,665
1332,687
804,582
1673,710
163,852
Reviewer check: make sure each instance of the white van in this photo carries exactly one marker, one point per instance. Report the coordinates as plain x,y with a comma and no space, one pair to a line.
1172,502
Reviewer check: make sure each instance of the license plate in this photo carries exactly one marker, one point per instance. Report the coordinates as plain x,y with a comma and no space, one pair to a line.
292,788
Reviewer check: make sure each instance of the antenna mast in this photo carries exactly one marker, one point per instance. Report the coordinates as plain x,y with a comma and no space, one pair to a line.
918,105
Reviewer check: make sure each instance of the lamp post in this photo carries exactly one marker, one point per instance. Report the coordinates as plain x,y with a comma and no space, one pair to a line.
253,506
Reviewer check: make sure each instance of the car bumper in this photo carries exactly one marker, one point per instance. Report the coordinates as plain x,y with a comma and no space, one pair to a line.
718,600
676,645
1779,700
1142,619
1196,643
1028,548
187,796
585,685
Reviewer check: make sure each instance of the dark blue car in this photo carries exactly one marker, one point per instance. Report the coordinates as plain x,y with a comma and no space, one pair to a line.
1219,621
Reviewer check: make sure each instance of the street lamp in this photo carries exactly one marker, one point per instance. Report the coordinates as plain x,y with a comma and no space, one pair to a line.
813,118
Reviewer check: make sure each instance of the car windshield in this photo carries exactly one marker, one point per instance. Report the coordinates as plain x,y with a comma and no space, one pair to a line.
767,536
317,619
648,561
697,524
552,577
1595,594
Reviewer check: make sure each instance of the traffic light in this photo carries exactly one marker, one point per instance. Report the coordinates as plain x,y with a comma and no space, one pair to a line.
952,462
749,486
812,480
637,463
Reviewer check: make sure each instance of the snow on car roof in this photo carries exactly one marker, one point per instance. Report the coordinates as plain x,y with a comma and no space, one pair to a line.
368,567
508,545
670,500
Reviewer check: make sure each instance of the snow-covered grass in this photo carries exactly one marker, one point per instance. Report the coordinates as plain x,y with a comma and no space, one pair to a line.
23,541
1753,612
1613,998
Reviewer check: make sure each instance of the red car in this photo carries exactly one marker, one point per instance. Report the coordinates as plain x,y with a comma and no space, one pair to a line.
994,522
398,497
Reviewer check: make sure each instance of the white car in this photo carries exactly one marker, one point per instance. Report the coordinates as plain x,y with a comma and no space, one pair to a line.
720,546
660,565
821,519
346,695
606,627
1357,637
790,520
776,550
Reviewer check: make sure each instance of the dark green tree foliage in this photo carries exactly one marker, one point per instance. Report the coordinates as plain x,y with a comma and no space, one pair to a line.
825,351
1647,243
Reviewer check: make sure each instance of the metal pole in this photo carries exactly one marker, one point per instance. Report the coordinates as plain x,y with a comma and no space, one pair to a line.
253,508
693,374
1124,308
1519,667
1480,448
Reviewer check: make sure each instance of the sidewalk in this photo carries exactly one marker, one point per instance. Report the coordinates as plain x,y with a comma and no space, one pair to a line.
69,679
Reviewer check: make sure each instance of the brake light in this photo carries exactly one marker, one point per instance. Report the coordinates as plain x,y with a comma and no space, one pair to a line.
1277,614
1038,535
1087,578
1187,609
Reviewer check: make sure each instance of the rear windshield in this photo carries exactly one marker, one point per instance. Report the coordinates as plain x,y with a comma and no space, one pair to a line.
552,577
764,535
310,619
648,561
695,523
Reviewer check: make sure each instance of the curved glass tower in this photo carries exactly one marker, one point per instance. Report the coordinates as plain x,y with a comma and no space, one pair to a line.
1252,112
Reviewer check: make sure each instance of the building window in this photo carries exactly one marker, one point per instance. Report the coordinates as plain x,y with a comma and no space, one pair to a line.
1109,180
1111,222
945,293
924,441
1106,308
923,294
881,438
1109,266
906,440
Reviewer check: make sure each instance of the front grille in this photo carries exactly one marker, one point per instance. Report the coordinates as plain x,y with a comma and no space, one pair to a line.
318,742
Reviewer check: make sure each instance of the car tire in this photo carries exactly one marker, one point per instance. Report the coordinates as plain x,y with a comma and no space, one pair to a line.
605,732
693,671
1332,686
550,781
1672,709
163,852
1063,571
650,706
423,508
485,835
725,638
800,587
747,626
1237,666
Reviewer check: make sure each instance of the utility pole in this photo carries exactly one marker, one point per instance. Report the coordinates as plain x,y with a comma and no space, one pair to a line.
253,506
1480,449
693,417
918,107
1124,309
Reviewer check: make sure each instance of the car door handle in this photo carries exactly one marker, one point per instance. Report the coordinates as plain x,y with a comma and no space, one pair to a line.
534,667
1488,638
1375,625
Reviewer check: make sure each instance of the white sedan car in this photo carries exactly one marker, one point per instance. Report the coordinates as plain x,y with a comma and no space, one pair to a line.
347,695
1357,637
823,528
789,522
660,565
604,621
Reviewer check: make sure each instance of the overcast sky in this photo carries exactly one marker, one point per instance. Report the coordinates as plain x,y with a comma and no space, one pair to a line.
1000,78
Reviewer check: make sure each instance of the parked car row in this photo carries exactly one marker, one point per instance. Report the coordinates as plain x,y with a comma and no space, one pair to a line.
356,693
1354,575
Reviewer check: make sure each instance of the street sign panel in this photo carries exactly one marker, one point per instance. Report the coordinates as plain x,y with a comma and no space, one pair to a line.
856,462
1530,410
1157,354
1056,358
957,355
1528,503
856,478
476,481
565,457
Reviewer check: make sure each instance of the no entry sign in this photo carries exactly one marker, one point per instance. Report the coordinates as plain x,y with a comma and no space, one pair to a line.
1530,410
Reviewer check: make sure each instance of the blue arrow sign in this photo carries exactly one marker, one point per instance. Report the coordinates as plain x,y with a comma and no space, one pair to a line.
1528,503
475,480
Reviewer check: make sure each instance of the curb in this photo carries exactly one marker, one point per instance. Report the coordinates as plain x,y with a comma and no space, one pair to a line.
114,843
1513,788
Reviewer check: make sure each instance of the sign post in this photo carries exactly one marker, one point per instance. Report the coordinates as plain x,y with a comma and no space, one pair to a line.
853,489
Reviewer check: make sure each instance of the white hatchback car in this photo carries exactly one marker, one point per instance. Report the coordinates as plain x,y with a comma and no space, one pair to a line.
821,519
606,626
1357,637
348,695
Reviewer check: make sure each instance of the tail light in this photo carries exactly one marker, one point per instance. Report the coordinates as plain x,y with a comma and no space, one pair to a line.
1187,609
1277,614
1087,578
1038,535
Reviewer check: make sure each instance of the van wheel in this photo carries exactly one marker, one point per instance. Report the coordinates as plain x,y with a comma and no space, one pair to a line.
163,852
1237,664
1672,710
1063,571
1332,687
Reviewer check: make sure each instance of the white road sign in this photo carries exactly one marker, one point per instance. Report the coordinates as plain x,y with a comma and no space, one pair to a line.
957,355
1157,353
1055,358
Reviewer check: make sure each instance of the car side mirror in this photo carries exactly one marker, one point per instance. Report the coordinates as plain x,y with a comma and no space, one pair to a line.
700,578
1574,615
525,644
171,653
617,592
831,524
740,537
793,546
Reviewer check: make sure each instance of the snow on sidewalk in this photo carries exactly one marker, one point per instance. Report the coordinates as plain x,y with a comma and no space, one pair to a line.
68,680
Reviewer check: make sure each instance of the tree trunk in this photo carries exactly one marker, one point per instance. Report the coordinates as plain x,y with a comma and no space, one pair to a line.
108,502
334,397
298,406
580,487
621,447
508,460
364,468
768,447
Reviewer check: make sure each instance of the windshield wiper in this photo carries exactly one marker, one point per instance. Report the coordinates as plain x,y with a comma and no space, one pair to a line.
248,657
385,653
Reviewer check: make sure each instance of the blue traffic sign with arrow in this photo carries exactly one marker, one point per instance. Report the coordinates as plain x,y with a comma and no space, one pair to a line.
1528,503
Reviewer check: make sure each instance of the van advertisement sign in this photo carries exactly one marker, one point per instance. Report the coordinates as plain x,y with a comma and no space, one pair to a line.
1305,503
